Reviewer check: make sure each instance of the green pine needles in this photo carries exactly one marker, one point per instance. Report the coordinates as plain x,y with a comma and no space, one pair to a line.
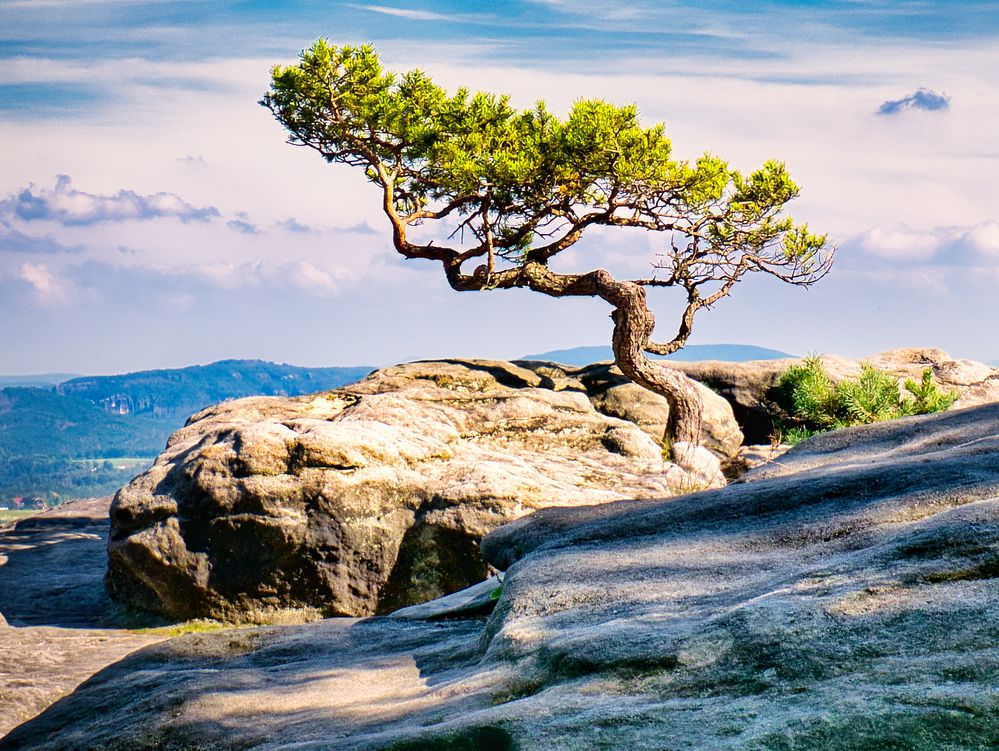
815,403
523,185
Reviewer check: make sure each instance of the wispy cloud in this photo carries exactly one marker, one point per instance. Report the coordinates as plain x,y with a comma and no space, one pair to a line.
48,288
922,99
412,14
301,275
66,205
240,225
362,229
595,10
14,241
293,225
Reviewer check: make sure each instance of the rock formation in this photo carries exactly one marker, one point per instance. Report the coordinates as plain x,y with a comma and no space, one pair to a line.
375,496
844,599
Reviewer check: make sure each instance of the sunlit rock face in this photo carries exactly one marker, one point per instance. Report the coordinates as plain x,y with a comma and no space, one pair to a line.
375,496
843,599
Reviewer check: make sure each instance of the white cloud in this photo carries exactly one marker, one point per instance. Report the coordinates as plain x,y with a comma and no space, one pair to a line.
308,276
66,205
48,288
984,239
964,246
904,244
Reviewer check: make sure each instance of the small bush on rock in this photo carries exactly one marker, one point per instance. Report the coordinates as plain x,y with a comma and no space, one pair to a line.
927,396
814,403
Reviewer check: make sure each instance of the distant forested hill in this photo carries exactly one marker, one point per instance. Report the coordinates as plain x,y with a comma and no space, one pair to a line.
690,353
42,422
90,435
161,393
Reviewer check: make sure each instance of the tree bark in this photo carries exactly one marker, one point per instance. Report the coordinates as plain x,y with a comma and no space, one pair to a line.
633,325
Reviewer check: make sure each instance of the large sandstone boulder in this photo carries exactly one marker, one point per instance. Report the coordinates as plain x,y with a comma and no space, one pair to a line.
844,600
748,386
375,496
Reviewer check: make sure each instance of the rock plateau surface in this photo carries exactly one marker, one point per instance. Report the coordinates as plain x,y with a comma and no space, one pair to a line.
843,599
54,613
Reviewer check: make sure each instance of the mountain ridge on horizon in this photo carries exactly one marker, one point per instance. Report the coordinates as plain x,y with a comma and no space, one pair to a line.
194,387
585,355
35,380
31,380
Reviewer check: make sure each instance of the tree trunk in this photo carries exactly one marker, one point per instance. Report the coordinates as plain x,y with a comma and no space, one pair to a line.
633,325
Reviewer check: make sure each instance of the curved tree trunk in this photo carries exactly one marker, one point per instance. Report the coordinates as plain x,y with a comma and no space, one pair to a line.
633,325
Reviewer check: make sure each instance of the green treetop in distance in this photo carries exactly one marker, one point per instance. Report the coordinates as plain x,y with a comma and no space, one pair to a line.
514,188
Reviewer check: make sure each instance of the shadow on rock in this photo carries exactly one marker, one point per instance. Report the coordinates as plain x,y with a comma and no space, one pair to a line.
393,671
52,567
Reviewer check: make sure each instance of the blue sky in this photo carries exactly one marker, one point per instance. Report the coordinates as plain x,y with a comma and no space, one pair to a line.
152,216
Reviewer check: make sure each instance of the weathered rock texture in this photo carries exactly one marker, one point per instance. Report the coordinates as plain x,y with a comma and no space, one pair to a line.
844,600
53,602
613,394
748,386
375,496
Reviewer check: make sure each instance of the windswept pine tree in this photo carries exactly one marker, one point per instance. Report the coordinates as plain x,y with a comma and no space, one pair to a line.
510,190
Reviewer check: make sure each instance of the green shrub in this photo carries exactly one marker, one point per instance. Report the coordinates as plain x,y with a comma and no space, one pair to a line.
813,403
872,397
795,435
809,394
926,395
